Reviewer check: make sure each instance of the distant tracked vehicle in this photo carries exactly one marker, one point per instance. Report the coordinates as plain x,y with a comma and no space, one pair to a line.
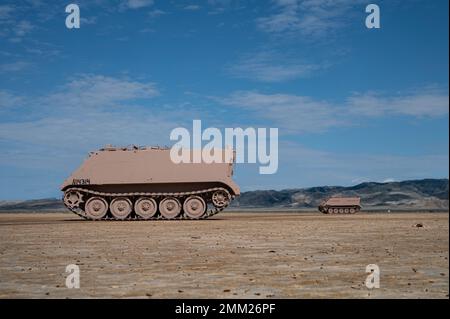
341,205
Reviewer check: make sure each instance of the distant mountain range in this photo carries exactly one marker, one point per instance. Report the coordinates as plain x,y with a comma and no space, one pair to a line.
47,204
426,194
429,194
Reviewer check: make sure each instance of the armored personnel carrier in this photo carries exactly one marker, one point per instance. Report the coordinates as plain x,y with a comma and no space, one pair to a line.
144,183
340,205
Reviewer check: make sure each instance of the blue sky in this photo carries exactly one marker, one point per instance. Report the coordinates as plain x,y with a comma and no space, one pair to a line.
352,104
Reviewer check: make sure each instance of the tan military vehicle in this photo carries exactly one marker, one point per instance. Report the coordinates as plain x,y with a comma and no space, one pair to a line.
340,205
144,183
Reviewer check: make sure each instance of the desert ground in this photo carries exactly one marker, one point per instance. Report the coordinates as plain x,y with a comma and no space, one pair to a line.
232,255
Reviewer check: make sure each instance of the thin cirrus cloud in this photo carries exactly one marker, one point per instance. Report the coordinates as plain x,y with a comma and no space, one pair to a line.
427,102
23,27
16,66
156,13
303,114
137,4
192,7
89,90
6,13
89,109
293,113
9,100
10,22
271,67
306,17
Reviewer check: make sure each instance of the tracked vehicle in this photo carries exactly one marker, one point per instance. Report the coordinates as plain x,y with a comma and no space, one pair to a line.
140,183
341,205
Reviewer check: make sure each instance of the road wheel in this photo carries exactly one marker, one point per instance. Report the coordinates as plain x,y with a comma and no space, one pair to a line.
121,207
96,207
145,207
170,207
194,207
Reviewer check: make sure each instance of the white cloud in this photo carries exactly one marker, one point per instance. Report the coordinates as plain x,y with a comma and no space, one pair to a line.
23,27
425,102
94,102
99,91
9,100
13,67
137,4
156,13
10,24
6,12
270,67
219,2
221,6
82,115
147,30
192,7
299,114
88,130
307,17
88,20
42,49
292,113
